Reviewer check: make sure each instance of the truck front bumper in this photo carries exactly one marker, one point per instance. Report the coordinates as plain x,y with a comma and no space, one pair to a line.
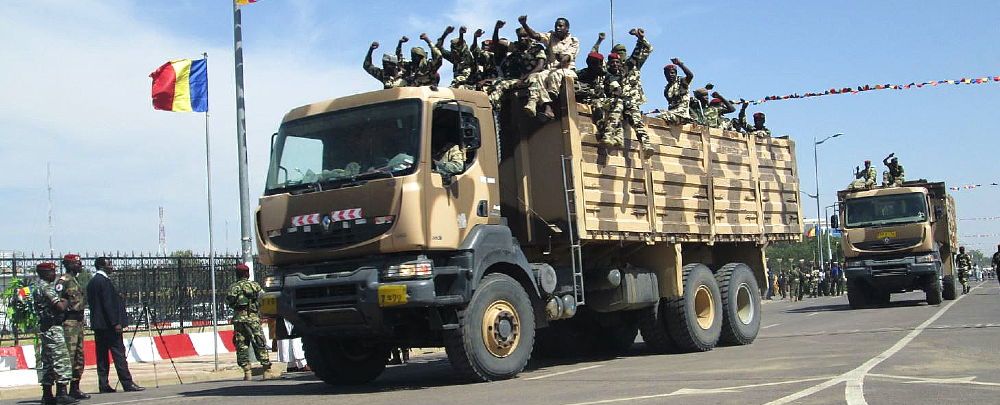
349,304
893,274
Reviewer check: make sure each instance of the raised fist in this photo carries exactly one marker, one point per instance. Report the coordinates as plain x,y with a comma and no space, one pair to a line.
479,32
374,46
463,30
675,61
522,19
423,36
601,36
449,29
404,39
639,32
501,23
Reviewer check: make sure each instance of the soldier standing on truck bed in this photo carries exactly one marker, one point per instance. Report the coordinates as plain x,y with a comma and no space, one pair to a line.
630,79
894,177
390,74
718,107
462,61
610,128
243,299
757,129
485,69
964,262
73,324
421,70
677,93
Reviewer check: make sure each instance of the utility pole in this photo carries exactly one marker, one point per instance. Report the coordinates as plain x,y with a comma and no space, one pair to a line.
162,250
48,185
246,222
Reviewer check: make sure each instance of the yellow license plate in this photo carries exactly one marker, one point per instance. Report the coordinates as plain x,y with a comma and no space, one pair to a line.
391,295
887,234
269,304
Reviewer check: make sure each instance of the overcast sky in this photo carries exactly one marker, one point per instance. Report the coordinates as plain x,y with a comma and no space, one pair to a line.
77,94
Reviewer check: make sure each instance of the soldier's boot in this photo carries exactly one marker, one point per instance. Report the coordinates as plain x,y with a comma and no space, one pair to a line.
47,398
62,397
247,374
547,113
530,107
74,391
269,374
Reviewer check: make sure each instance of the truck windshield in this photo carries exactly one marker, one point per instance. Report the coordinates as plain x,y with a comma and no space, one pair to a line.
885,210
339,147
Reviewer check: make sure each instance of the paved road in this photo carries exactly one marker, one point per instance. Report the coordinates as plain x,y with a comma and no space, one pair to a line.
814,352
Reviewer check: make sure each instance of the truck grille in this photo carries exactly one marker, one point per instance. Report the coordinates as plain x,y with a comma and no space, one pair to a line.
336,236
330,293
880,246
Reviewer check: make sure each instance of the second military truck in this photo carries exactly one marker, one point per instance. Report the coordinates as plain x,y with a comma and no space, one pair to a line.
543,235
898,239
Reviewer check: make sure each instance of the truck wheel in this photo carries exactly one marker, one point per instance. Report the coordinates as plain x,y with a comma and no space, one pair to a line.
496,331
932,287
653,327
695,320
344,362
949,287
857,294
740,304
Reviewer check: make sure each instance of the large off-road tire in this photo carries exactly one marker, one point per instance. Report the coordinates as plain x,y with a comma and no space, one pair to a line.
950,287
653,327
695,320
344,362
740,304
496,331
619,338
858,294
932,287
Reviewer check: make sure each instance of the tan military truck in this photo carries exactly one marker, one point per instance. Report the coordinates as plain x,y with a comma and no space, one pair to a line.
542,229
898,239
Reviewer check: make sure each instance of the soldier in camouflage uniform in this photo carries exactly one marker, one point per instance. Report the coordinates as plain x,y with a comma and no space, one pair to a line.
460,55
390,75
676,92
895,176
757,129
610,131
630,79
864,179
485,69
449,159
718,107
589,86
421,70
561,49
963,262
243,298
73,325
54,367
522,59
814,282
794,276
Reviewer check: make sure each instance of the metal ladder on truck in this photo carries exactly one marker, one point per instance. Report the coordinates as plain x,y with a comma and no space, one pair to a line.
576,255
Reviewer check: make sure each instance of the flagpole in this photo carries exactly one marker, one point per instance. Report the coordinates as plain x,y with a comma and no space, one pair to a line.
211,240
246,222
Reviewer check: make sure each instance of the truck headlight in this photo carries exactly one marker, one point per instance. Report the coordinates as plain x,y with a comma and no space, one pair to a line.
926,259
273,283
415,268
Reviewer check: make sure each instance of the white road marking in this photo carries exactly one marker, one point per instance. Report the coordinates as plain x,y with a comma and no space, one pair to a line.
132,401
854,391
691,391
770,326
563,372
922,380
814,313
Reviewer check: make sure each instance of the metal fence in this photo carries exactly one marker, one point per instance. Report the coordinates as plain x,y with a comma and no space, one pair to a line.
176,290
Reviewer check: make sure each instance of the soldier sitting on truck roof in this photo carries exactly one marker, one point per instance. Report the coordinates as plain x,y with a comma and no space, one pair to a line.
390,74
894,177
676,93
561,49
461,58
864,179
485,69
420,70
521,59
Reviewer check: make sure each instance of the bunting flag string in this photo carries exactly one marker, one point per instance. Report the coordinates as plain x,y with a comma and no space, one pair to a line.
980,219
971,186
982,235
868,87
245,2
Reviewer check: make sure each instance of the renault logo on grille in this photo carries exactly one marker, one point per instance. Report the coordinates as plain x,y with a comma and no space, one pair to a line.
886,240
327,221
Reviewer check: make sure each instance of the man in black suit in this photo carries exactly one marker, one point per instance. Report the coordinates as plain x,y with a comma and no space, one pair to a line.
107,318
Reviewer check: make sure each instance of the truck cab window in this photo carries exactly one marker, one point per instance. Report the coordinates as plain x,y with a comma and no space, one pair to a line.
448,153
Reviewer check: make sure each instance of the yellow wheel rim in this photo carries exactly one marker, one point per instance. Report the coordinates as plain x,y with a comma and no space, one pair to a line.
501,329
704,307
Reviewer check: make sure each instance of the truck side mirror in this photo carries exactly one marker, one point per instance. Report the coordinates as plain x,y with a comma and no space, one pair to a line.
471,139
938,212
835,221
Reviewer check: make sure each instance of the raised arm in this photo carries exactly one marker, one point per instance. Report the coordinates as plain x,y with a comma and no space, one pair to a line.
497,54
886,160
447,31
399,48
475,38
369,67
642,48
597,45
688,76
435,51
725,102
531,33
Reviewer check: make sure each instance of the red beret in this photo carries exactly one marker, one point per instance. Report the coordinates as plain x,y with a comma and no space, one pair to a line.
488,42
670,67
45,266
716,101
71,257
595,55
613,55
760,114
867,162
242,267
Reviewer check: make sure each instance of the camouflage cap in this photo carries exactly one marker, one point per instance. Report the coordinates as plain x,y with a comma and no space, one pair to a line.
418,51
619,49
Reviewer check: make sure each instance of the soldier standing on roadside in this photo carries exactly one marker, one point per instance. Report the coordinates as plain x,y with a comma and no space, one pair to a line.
54,364
996,263
964,262
73,325
243,298
794,286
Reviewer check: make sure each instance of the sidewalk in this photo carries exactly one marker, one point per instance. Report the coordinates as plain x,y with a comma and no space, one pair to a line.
191,369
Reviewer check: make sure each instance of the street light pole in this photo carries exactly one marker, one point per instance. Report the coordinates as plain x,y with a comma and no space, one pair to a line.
819,218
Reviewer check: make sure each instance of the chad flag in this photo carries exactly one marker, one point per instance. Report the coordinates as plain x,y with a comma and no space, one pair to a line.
811,233
181,86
